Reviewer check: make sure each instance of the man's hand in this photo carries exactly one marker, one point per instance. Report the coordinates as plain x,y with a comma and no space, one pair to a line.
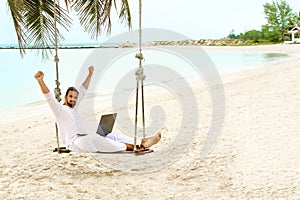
39,76
91,69
88,78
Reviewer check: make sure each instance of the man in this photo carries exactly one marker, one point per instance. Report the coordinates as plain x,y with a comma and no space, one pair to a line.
71,128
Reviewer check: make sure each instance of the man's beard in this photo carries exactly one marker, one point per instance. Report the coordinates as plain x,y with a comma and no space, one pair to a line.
71,104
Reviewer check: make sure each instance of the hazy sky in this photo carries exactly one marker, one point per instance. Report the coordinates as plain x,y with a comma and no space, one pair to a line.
196,19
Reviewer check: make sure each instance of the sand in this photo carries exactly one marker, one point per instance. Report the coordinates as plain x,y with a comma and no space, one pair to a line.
257,155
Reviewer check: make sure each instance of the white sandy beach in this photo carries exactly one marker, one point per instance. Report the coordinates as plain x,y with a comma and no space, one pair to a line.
257,155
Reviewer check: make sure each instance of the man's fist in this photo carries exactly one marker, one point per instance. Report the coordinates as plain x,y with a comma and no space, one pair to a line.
39,75
91,69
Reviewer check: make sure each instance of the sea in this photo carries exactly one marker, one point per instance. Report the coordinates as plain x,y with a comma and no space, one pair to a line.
19,88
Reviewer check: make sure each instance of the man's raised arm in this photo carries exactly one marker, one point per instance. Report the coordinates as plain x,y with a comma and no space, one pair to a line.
39,76
86,83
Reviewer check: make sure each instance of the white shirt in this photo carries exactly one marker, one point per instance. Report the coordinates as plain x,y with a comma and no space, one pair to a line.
67,119
69,125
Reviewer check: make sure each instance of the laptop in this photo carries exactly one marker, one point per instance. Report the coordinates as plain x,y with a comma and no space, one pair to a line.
106,124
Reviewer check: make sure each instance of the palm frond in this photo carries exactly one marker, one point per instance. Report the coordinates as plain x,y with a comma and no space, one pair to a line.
34,23
34,19
90,15
67,3
125,14
95,15
17,8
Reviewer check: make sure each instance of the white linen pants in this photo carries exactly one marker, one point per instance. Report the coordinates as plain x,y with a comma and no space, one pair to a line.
94,142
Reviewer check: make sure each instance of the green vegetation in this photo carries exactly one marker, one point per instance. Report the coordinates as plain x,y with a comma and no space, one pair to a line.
35,23
280,19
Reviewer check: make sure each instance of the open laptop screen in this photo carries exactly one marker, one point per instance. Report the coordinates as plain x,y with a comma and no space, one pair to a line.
106,124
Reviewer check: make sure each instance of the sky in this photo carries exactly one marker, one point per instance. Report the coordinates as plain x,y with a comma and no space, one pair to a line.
196,19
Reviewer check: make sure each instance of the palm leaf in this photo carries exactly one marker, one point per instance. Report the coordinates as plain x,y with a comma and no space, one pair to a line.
16,8
34,19
39,20
95,15
125,13
34,23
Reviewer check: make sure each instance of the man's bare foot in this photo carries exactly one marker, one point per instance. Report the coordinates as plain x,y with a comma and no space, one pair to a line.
148,142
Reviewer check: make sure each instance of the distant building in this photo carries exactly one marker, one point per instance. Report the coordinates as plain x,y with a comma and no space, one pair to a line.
295,35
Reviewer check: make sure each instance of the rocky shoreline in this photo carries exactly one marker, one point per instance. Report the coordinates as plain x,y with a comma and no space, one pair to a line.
201,42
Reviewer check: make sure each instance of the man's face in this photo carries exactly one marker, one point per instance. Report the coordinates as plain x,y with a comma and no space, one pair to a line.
71,99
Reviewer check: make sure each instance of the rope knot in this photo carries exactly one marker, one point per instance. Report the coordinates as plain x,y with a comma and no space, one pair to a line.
57,92
139,73
139,56
56,59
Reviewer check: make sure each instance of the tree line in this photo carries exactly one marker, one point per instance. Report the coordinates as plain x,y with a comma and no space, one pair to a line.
280,19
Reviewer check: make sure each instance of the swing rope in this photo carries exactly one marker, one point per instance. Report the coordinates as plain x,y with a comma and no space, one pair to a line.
140,77
57,91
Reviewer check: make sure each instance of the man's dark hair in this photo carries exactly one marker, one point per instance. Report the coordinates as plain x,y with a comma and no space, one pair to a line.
71,89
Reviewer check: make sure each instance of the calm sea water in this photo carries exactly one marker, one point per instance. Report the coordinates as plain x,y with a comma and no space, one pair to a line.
18,87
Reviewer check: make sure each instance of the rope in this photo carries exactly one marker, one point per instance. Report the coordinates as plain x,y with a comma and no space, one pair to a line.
57,91
140,77
56,59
